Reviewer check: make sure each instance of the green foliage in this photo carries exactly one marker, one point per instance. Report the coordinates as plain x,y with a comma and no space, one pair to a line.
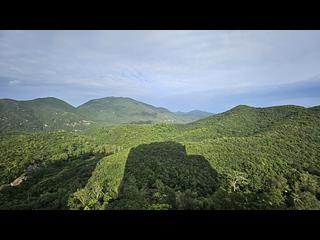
23,150
161,169
49,187
158,206
42,114
246,158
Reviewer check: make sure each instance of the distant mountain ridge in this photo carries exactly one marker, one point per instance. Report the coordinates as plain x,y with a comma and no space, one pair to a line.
196,113
50,114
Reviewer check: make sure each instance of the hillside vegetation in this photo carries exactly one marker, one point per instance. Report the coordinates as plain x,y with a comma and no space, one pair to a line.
245,158
42,114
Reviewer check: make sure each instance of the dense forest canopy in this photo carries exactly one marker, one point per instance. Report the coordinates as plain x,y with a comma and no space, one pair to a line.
245,158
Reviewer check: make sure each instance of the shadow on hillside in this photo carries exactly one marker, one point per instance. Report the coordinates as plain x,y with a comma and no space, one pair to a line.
51,186
161,175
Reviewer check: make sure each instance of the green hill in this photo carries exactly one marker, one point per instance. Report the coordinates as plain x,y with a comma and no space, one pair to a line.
244,120
57,114
245,158
117,110
15,116
46,114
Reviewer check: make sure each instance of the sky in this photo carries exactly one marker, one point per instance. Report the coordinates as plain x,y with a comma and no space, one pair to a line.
179,70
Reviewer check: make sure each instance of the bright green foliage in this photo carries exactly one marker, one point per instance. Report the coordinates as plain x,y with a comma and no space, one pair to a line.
245,158
23,150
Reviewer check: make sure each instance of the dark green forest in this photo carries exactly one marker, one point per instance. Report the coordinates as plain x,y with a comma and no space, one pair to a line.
246,158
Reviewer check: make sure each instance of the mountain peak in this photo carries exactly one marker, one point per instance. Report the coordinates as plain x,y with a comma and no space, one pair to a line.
48,98
7,100
241,107
51,102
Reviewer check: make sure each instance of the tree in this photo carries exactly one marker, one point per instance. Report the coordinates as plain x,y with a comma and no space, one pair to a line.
237,180
83,196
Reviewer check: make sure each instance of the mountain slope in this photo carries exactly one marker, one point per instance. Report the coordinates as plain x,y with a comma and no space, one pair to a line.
244,120
56,114
39,114
16,116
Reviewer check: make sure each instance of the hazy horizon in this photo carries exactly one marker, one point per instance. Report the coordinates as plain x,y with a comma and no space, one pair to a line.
180,70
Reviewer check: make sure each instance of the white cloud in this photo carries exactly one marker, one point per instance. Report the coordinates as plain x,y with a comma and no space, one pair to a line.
13,82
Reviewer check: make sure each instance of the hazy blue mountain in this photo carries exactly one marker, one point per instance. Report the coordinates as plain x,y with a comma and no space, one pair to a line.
195,113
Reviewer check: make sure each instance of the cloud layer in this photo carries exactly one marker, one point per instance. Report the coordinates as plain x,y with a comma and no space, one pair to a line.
180,70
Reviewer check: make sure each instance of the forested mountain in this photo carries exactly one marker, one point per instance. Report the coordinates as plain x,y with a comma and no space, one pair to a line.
57,114
15,116
245,158
39,114
48,114
117,110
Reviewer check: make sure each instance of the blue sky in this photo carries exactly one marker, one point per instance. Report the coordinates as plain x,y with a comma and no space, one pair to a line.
179,70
